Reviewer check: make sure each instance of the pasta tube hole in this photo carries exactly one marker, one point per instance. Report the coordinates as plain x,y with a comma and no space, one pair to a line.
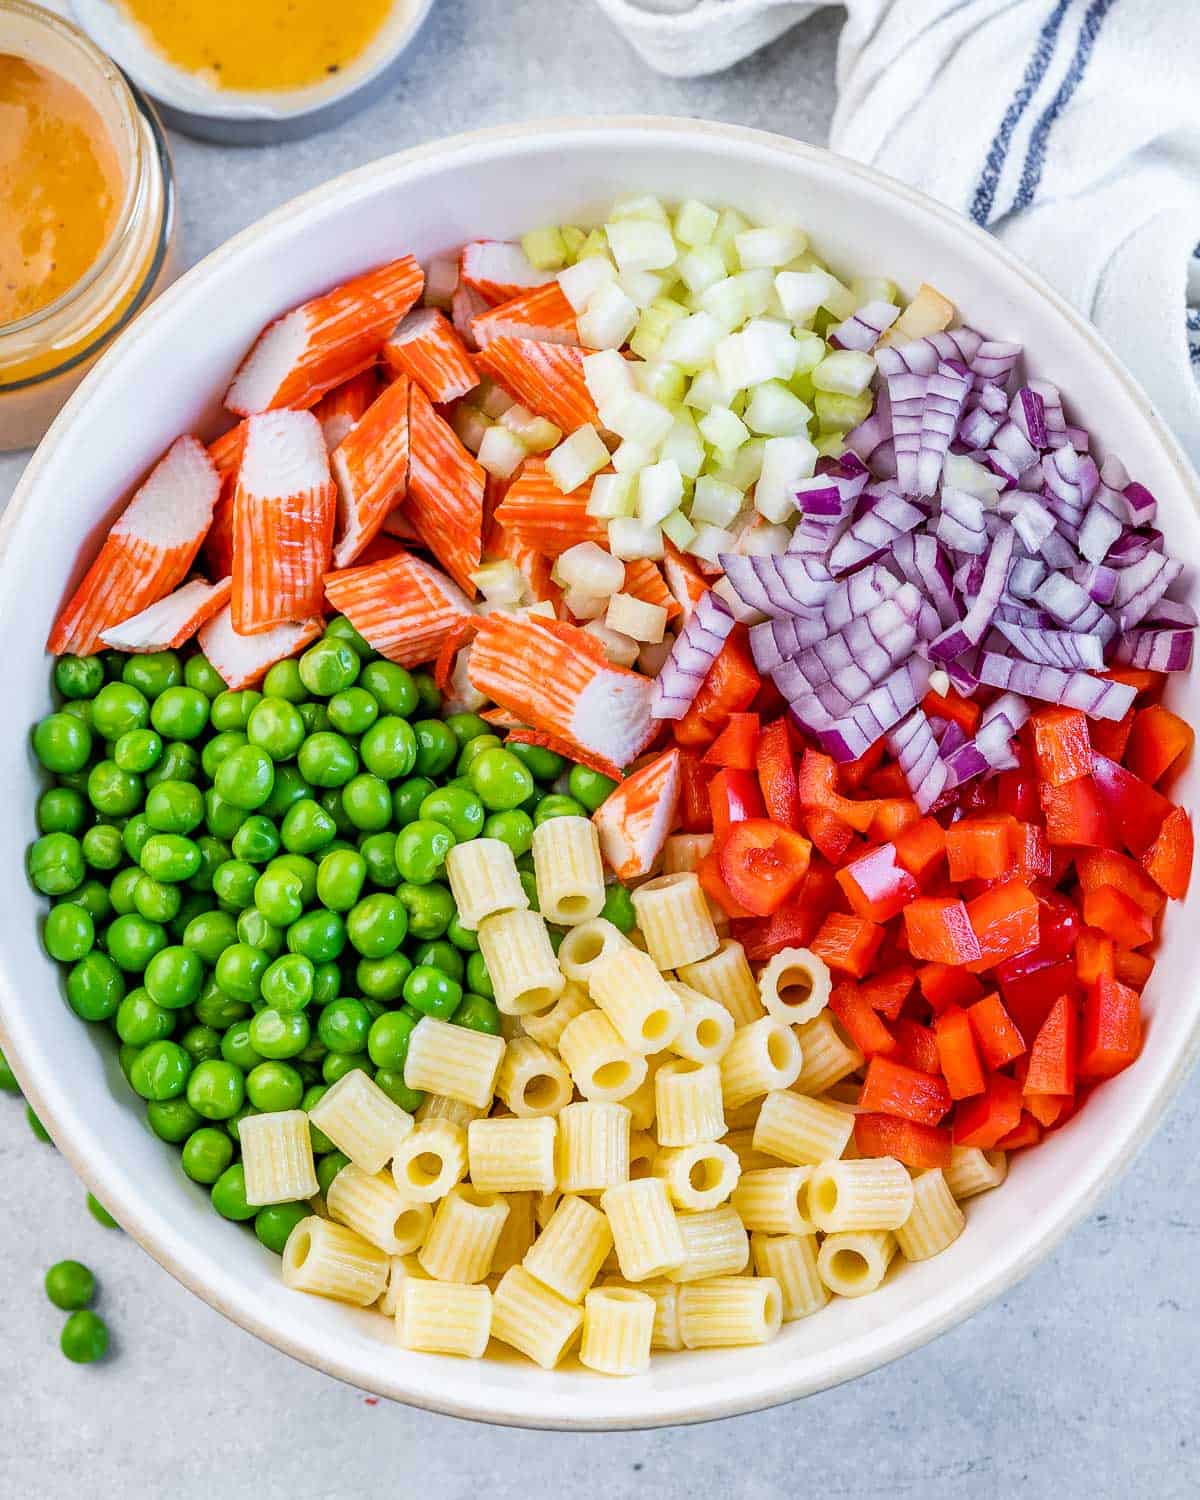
795,985
533,1001
706,1174
425,1169
657,1025
297,1248
573,906
709,1033
611,1075
778,1052
849,1266
824,1199
540,1091
408,1222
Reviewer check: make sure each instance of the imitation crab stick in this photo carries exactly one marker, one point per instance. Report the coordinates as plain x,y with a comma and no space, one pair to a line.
317,345
283,512
547,378
499,270
445,492
370,465
645,582
543,517
226,452
686,582
556,678
543,314
532,564
403,607
465,306
339,409
633,822
148,551
241,660
425,346
173,620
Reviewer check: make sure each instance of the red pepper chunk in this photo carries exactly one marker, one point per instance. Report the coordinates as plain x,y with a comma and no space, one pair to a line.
887,992
730,686
1111,1035
892,816
1157,740
1005,920
848,944
957,1054
1111,736
1169,858
996,1035
987,1118
708,872
1135,811
939,929
762,864
1133,969
920,848
1052,1056
892,1088
964,712
818,789
777,775
695,812
1047,1109
876,887
860,1022
1114,912
736,744
1030,852
831,836
979,848
918,1045
1026,1133
921,1146
733,796
1076,814
1028,998
947,984
1094,956
1061,745
1097,867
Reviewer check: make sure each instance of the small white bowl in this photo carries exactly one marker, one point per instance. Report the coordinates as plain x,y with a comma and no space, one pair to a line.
167,374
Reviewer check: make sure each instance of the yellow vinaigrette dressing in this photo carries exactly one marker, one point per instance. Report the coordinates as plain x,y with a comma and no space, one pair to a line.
258,45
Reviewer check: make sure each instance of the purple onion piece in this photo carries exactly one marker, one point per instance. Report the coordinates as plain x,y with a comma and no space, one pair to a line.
696,648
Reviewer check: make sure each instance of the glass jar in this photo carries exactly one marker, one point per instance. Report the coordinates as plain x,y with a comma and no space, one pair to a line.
45,355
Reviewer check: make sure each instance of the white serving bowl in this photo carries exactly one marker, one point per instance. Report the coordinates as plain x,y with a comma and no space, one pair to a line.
167,375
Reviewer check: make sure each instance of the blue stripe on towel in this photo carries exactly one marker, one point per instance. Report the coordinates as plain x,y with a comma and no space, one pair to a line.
1035,159
1035,71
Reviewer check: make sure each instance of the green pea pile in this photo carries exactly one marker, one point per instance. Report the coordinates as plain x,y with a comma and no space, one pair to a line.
71,1287
249,887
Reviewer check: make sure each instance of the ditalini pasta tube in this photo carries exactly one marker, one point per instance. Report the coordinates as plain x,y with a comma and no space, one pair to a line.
828,1055
484,880
533,1319
935,1222
875,1193
374,1208
400,1268
761,1057
430,1161
774,1200
697,1177
665,1296
643,1149
645,1229
568,870
512,1155
593,1146
800,1130
729,1310
854,1264
741,1143
600,1063
569,1252
792,1260
360,1119
517,1233
464,1234
451,1060
795,986
277,1157
618,1326
684,852
520,961
439,1317
442,1107
715,1243
974,1171
687,1103
707,1028
584,946
549,1025
726,976
329,1260
532,1080
673,917
642,1007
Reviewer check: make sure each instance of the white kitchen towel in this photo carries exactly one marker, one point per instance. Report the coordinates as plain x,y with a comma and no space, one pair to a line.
1070,128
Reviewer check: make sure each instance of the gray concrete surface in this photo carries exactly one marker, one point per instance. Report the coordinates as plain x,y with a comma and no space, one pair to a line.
1080,1383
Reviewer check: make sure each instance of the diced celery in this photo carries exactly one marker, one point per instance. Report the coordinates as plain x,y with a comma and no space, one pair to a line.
640,418
590,568
607,375
640,620
715,502
710,541
774,412
573,239
811,349
491,399
801,385
678,529
786,460
613,495
803,292
756,287
763,350
584,605
838,413
747,464
620,649
536,433
691,341
729,226
831,444
874,289
662,380
654,327
608,319
695,223
645,206
470,425
683,445
846,371
576,459
707,391
700,269
580,283
644,287
723,429
630,457
764,540
640,244
725,302
595,243
500,453
629,539
544,249
769,247
500,582
660,489
840,301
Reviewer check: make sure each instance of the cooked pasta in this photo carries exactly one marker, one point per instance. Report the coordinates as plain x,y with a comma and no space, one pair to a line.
360,1120
374,1207
548,1026
442,1107
532,1081
853,1264
774,1200
400,1268
512,1156
618,1327
440,1317
544,1205
828,1055
328,1260
644,1010
593,1146
936,1220
801,1131
516,1233
687,1103
729,1310
568,870
792,1260
697,1177
643,1149
795,986
726,976
673,918
641,1102
599,1061
451,1060
715,1243
683,852
277,1157
520,961
645,1229
974,1171
462,1239
569,1252
750,1158
584,946
430,1161
762,1057
707,1028
533,1319
484,880
876,1193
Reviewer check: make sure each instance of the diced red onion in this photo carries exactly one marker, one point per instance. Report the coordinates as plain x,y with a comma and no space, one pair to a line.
1092,695
696,648
969,631
913,745
875,532
1054,648
866,327
1143,507
1028,411
1167,650
789,585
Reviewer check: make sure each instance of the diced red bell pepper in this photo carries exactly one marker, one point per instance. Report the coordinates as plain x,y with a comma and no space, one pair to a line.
995,1032
736,744
985,1119
964,712
893,1088
948,984
1029,997
777,775
1145,683
1111,736
918,1045
923,1147
860,1022
1076,814
1168,860
957,1053
1156,742
887,992
1017,794
795,923
939,929
1061,746
887,781
762,864
708,872
892,816
1097,867
977,796
1114,912
979,848
875,885
832,837
847,943
921,847
1048,1109
1135,810
695,810
1030,852
1110,1037
1052,1056
818,789
1094,956
1058,929
733,796
1005,920
1027,1133
730,686
853,773
1132,968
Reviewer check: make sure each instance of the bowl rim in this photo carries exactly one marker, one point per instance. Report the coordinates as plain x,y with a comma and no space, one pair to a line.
771,1386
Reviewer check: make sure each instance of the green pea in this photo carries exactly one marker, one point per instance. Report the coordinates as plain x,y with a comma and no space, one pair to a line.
429,695
170,857
172,1120
132,941
319,935
458,809
161,1071
239,971
174,807
514,828
289,787
233,1126
501,781
118,708
340,879
257,840
279,1034
352,711
219,748
276,727
216,1090
421,851
327,759
100,1213
69,933
283,680
391,1081
441,954
618,908
408,797
315,716
84,1338
332,805
134,834
542,764
201,1043
529,885
557,806
344,1025
329,666
229,1194
478,1013
95,987
274,1224
590,788
479,981
217,1009
70,1285
61,809
213,854
327,983
429,908
388,1038
156,901
437,747
93,898
383,978
432,992
254,930
103,847
237,1048
391,687
179,762
199,673
307,827
367,803
466,726
274,1086
153,672
377,925
79,676
174,977
140,1021
340,629
235,883
138,750
475,747
279,895
463,938
121,891
180,713
336,1065
221,818
378,851
193,903
82,710
206,1154
113,791
287,983
245,778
